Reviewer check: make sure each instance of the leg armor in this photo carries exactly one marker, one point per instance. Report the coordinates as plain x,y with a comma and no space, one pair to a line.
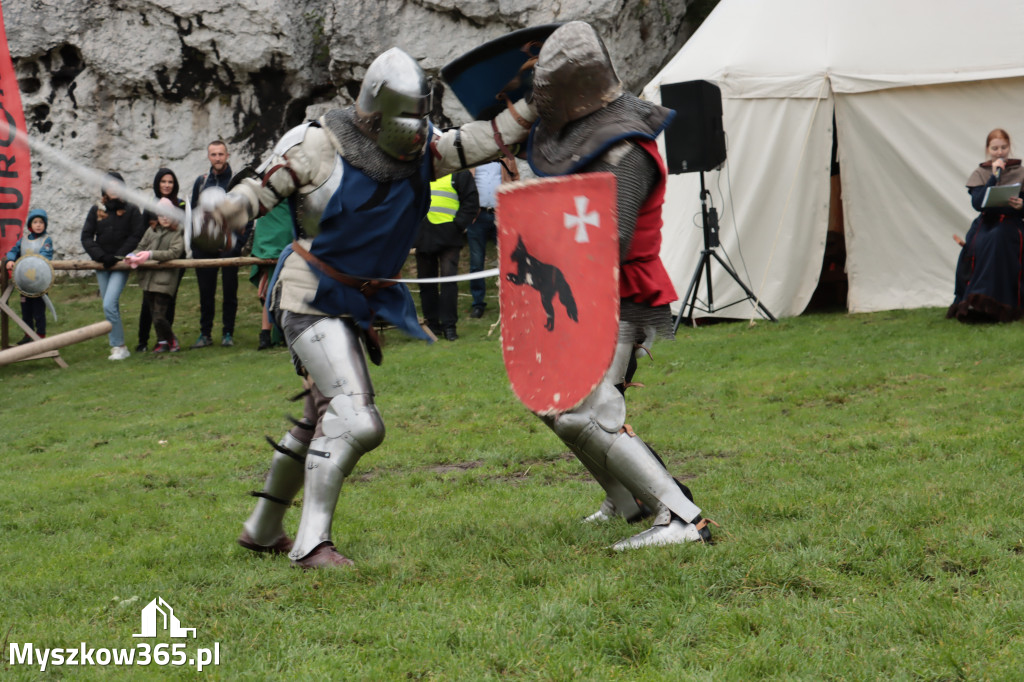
618,500
332,354
594,431
264,529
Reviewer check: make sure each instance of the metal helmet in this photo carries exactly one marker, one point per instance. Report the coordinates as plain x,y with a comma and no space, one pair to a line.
392,105
574,75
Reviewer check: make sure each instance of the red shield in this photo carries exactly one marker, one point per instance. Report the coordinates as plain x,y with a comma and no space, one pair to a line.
558,246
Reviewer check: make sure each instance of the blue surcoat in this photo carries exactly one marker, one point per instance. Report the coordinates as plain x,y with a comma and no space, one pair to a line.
367,230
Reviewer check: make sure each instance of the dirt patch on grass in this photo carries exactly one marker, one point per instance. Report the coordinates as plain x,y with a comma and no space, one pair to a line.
452,468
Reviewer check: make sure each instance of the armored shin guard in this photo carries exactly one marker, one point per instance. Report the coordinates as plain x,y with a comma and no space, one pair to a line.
619,460
332,354
618,500
627,462
265,526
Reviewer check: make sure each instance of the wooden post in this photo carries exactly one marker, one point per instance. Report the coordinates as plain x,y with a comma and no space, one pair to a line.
167,264
4,326
51,343
46,347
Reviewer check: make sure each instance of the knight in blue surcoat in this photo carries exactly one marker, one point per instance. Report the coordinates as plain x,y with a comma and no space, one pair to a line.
358,184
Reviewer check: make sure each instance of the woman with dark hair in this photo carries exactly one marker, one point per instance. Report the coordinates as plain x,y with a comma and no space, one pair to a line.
165,186
988,274
112,229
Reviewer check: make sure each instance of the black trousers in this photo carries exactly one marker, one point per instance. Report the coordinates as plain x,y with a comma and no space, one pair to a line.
207,278
33,313
146,316
440,303
159,305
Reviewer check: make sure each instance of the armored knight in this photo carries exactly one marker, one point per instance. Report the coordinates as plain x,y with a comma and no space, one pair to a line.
358,183
588,124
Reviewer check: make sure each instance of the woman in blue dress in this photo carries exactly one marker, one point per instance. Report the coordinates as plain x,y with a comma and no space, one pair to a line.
988,274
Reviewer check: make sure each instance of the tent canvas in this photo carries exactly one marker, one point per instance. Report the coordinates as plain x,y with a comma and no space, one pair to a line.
914,87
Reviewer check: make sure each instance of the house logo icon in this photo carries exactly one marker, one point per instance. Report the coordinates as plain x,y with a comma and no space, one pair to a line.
158,614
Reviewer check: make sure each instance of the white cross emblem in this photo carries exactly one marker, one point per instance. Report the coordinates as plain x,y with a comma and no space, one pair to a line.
581,219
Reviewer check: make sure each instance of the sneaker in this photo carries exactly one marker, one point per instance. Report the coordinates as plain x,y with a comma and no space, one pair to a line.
477,312
227,341
162,347
265,341
142,347
119,353
174,347
203,341
450,334
25,339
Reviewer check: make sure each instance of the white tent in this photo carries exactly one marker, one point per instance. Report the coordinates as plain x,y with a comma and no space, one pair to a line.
914,85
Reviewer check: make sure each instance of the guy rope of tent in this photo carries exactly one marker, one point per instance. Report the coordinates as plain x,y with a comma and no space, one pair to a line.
789,196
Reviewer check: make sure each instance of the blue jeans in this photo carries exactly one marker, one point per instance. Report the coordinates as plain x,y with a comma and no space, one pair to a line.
112,283
477,234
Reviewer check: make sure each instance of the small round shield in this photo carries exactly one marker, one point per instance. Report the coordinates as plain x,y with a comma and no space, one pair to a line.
32,275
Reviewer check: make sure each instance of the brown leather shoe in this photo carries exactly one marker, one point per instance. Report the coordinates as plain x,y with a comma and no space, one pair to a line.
324,556
282,545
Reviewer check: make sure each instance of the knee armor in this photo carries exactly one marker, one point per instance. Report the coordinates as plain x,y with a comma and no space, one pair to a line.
619,461
331,352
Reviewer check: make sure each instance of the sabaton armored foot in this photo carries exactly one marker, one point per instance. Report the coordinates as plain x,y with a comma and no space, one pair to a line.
676,532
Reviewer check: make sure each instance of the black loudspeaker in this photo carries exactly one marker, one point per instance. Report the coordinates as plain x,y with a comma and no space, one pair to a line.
695,141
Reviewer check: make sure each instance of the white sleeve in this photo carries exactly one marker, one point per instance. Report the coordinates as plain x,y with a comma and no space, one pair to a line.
478,139
303,158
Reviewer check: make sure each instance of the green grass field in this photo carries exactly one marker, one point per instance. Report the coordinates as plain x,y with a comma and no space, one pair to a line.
866,471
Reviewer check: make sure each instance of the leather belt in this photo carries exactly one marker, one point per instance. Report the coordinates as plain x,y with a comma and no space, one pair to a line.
367,287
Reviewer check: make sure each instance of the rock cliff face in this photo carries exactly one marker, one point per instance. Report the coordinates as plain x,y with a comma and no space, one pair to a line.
133,85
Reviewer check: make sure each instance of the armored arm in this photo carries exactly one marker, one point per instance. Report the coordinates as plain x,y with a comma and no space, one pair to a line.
302,160
478,142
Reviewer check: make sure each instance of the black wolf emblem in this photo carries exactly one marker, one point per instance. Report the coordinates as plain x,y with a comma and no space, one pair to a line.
546,279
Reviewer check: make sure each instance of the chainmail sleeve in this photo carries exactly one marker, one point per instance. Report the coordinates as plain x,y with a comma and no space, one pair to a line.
635,174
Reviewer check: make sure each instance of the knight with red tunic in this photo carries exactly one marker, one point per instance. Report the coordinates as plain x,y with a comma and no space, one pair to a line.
588,124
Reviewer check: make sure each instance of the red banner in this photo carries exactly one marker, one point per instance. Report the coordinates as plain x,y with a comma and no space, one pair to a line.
15,161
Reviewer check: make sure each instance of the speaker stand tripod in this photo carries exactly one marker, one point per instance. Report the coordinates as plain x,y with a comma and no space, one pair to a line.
709,219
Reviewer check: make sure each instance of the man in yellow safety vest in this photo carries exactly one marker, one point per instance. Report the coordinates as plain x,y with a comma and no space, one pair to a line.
454,203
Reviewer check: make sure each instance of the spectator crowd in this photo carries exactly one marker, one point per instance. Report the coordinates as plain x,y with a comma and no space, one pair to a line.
117,231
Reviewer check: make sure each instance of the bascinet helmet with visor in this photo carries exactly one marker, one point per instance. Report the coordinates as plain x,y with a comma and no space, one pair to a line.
392,105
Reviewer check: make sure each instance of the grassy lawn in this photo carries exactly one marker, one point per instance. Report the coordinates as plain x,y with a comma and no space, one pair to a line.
866,471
